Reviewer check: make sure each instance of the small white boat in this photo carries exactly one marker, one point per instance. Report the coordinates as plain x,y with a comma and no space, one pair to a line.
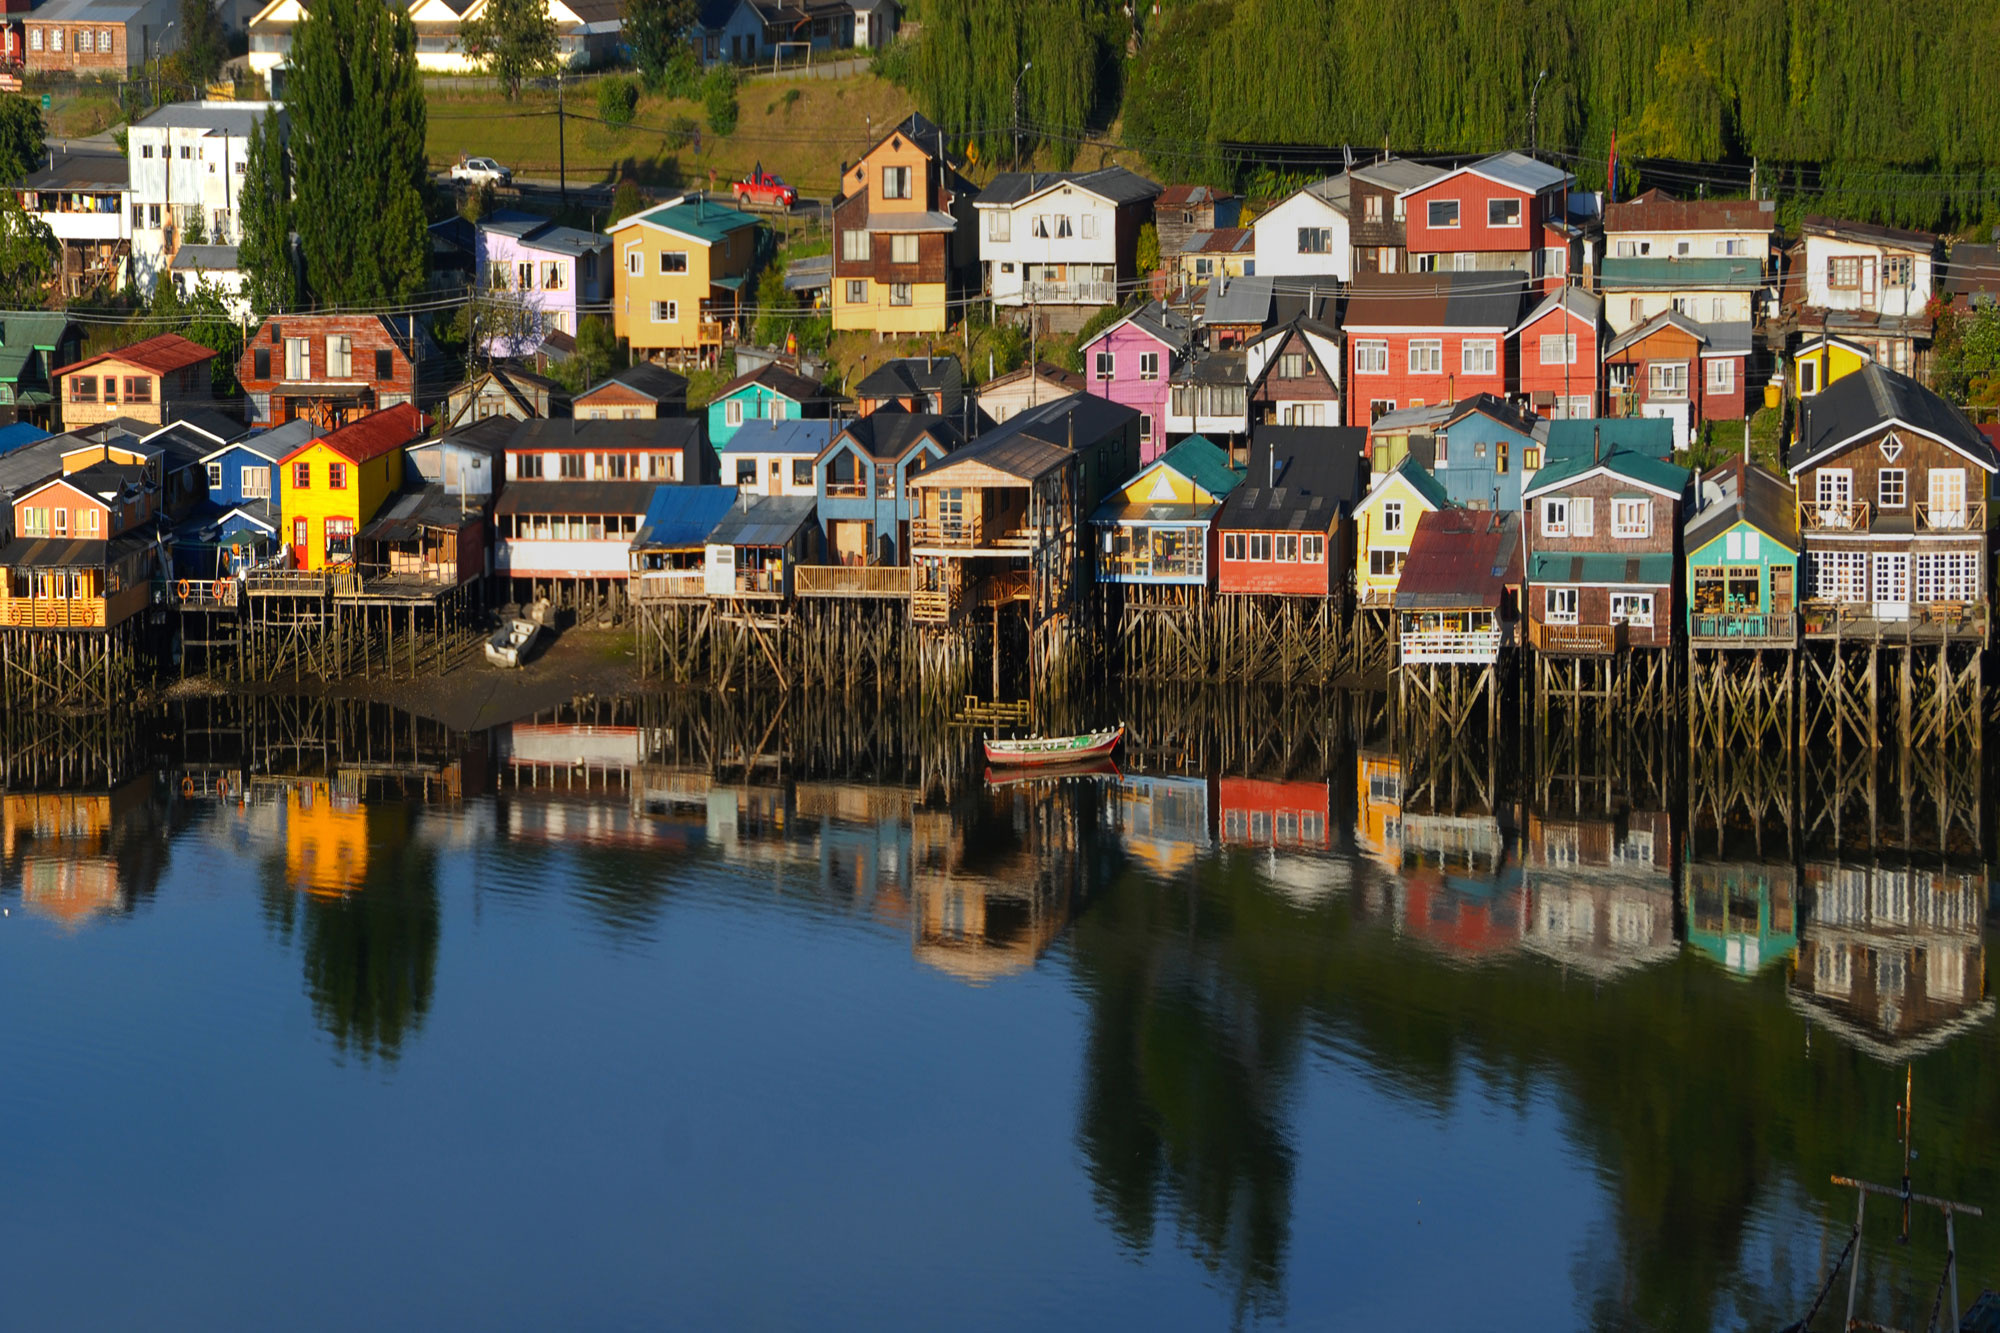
1055,749
511,641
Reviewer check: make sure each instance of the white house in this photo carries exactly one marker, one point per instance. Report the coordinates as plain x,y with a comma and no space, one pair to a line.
774,457
1062,238
188,161
216,266
1346,222
1856,266
83,196
585,31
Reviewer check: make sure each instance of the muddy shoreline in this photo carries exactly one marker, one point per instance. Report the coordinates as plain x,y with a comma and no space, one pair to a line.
578,663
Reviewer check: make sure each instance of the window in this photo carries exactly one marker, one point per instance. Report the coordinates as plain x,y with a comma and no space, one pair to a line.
1260,546
1039,227
1559,349
857,291
61,517
528,467
1555,261
1371,358
666,312
1730,247
552,275
1531,458
260,364
746,472
1442,213
732,412
1631,518
1582,517
83,388
1949,577
1315,240
1392,516
1722,375
1427,356
336,476
999,225
1062,225
1500,457
570,467
1287,548
1669,380
673,261
86,41
35,44
256,483
1479,356
385,364
56,44
902,249
1145,426
215,476
340,537
1371,208
1559,606
1843,272
1840,576
1503,212
1379,408
1893,487
1312,549
895,182
339,356
1106,365
1386,564
1897,270
1149,366
1232,546
302,476
899,293
635,263
1555,518
92,524
1632,608
1291,366
298,359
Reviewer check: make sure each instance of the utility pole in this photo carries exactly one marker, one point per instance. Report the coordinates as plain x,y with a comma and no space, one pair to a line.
1025,67
1534,111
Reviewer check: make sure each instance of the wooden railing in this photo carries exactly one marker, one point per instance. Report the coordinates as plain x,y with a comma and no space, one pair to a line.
48,613
931,605
1575,640
847,490
1478,645
659,585
304,582
1090,292
1834,516
1955,518
757,583
969,533
1946,618
1736,627
1111,568
206,592
851,580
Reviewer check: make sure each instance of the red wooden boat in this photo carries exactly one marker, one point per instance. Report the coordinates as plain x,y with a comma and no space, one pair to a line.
1055,749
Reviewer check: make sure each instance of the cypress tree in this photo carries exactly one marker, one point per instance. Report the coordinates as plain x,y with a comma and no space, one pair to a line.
266,249
358,121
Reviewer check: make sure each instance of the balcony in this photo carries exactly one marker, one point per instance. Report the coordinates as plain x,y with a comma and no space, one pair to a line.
969,534
1144,569
847,490
1951,518
47,613
669,585
1927,622
1477,646
758,583
851,580
1574,640
1834,516
1070,293
1738,630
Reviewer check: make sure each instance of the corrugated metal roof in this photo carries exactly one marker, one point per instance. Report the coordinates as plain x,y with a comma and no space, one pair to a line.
699,218
906,376
767,520
1656,211
1115,184
780,437
1460,558
62,553
405,515
680,517
886,436
1651,472
779,380
1656,274
1435,300
1238,301
1116,511
660,434
1867,231
651,380
1300,478
19,434
1652,437
575,497
1202,463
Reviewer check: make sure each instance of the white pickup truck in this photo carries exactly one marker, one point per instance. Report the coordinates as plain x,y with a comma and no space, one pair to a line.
481,171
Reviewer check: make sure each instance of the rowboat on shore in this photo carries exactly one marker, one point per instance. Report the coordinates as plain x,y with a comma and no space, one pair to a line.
510,643
1055,749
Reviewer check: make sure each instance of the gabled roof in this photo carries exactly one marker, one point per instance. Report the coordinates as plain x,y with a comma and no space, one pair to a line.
1655,475
698,218
780,380
1658,211
19,434
1047,371
1191,196
680,517
1741,491
1516,170
161,354
205,259
536,232
1300,478
1221,241
1651,437
1873,399
1517,419
1398,174
1429,417
1580,304
372,436
887,436
1671,273
1417,477
908,376
767,520
1461,558
1163,325
405,514
1654,569
1666,319
80,166
1201,463
278,441
1387,301
639,434
1039,439
1114,185
647,379
779,437
1868,231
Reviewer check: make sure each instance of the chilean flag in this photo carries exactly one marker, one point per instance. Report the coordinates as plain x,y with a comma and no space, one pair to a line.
1611,171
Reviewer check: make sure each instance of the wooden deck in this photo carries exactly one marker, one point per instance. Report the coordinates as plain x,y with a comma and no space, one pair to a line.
1945,622
892,581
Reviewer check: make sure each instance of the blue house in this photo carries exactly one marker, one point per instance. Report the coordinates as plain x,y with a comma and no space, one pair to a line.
1482,448
862,483
769,393
238,524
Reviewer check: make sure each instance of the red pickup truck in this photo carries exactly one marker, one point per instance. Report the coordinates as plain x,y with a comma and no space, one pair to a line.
761,189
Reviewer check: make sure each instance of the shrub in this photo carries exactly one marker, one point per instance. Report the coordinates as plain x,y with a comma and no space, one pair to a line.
617,99
718,99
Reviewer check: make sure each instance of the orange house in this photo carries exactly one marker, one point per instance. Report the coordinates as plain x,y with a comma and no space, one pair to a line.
148,381
76,561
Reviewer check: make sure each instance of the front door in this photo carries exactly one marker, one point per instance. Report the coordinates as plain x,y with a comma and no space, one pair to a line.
299,531
1781,590
1892,587
1946,508
777,479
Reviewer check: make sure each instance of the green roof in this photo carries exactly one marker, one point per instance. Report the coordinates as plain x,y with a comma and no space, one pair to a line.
732,283
1655,569
1635,467
1651,436
1203,464
1662,274
1422,481
22,334
707,222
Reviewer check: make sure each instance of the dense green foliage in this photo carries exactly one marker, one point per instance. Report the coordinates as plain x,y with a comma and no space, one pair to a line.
656,32
27,256
202,315
358,119
514,40
21,131
628,200
718,99
617,99
204,46
1965,355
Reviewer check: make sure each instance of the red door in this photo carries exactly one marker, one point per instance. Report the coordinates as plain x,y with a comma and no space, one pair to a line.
298,543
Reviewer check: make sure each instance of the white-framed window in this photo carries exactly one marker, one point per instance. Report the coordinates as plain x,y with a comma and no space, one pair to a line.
1386,563
900,293
1287,548
1839,576
1442,213
1558,349
215,476
1291,366
1559,606
256,483
1089,222
56,44
1729,247
1503,212
1107,366
666,312
1667,379
1312,549
1632,608
1951,576
1631,518
856,246
298,358
1315,240
1722,375
1379,408
1555,261
1479,356
1892,487
1392,516
1843,272
635,262
1260,547
104,40
1149,366
999,225
1946,495
1232,546
896,182
1145,425
1555,517
672,261
902,249
1582,516
1427,356
732,412
339,356
86,42
857,291
35,44
1371,357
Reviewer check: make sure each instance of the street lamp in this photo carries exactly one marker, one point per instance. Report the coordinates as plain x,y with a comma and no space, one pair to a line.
1025,67
1534,102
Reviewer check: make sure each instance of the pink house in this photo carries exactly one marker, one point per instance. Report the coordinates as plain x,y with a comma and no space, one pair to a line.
1133,363
555,271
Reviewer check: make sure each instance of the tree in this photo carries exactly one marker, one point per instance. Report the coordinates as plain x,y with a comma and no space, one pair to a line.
596,353
1965,361
515,40
718,99
27,256
21,137
201,315
775,305
204,46
265,253
656,31
617,99
1148,248
357,145
630,199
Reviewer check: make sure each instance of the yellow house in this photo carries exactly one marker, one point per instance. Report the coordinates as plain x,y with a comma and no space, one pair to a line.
1160,528
903,235
681,272
1823,360
1385,522
334,484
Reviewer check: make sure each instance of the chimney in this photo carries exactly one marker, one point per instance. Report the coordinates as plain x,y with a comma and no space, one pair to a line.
1597,444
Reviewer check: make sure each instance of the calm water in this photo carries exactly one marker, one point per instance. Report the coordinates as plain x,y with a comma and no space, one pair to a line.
661,1015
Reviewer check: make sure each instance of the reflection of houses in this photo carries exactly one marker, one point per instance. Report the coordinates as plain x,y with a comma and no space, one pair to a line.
1164,820
1378,824
1600,892
1743,914
1893,958
1455,891
61,844
326,838
1288,822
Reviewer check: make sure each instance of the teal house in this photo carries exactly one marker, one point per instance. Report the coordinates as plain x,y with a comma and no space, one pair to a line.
32,346
1743,914
1742,544
769,393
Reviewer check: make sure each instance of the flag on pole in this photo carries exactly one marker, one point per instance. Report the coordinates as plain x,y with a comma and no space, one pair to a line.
1611,172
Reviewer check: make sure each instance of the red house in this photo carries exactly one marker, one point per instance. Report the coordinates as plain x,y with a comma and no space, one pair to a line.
1287,529
1556,348
1505,212
1259,813
1680,369
1414,339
